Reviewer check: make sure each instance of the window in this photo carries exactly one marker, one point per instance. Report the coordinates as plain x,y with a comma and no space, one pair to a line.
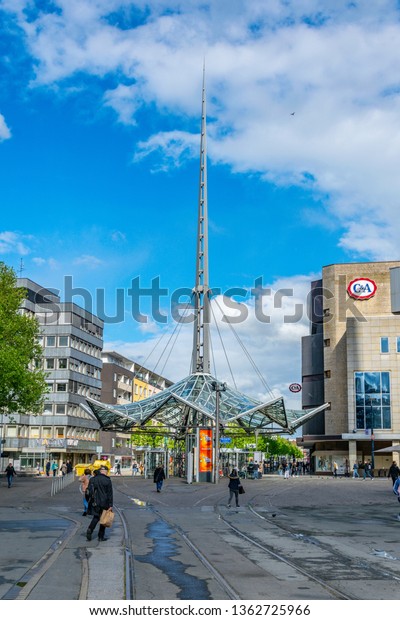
51,341
60,409
373,406
63,363
60,432
47,409
384,344
398,344
35,434
50,363
327,374
61,387
11,431
63,341
46,432
327,342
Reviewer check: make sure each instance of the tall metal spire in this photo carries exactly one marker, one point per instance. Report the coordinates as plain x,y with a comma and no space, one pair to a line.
201,328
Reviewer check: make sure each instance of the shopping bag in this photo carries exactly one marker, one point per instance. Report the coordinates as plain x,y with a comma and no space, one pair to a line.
107,518
241,490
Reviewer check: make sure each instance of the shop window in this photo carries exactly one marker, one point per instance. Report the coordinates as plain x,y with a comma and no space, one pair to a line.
372,400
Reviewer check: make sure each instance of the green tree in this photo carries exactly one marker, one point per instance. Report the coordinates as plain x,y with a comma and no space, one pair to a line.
22,380
152,435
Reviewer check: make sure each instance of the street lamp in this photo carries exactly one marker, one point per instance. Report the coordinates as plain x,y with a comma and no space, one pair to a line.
218,388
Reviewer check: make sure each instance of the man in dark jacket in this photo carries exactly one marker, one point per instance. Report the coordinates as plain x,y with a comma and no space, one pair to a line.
10,473
394,472
101,496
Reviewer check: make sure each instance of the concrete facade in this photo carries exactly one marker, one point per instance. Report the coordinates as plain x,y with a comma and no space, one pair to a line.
72,341
125,381
353,338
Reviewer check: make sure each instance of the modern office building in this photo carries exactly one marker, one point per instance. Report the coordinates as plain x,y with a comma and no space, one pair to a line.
125,381
351,359
72,341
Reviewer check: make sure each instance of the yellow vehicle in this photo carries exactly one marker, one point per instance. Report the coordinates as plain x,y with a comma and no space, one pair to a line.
80,467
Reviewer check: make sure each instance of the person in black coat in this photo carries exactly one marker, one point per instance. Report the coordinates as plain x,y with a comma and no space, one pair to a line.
159,477
100,494
233,486
10,473
394,472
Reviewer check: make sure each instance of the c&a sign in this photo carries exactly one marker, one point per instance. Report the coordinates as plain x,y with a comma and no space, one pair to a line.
362,288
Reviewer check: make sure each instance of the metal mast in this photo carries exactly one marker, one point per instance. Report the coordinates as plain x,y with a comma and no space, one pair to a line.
201,328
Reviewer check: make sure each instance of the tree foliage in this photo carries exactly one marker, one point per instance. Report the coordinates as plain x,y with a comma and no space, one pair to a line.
151,435
272,445
22,380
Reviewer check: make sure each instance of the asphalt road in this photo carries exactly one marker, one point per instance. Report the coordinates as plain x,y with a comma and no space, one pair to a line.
297,539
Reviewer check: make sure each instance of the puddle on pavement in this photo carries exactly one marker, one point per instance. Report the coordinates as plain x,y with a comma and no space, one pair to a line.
163,556
138,502
383,554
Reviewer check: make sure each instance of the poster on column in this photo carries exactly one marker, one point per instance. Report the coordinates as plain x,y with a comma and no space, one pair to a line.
205,450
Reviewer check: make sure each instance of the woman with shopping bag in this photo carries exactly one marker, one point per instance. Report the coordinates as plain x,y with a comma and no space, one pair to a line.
101,499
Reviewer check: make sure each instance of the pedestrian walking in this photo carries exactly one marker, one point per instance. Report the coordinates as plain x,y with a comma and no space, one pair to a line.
368,470
233,486
394,472
396,491
100,493
48,468
255,471
54,468
118,469
69,467
84,480
10,473
355,470
335,469
159,477
135,468
63,469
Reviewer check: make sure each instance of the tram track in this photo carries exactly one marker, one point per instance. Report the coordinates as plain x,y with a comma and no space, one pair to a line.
242,533
263,536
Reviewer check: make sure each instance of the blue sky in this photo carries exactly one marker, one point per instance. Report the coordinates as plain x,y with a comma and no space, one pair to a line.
99,145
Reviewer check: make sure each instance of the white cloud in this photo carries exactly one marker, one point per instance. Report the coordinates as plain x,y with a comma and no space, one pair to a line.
172,147
92,262
5,132
268,345
14,243
124,101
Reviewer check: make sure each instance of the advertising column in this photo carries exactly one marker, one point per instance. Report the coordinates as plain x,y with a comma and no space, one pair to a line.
205,443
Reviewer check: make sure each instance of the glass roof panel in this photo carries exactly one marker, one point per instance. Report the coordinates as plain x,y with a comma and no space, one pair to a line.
195,395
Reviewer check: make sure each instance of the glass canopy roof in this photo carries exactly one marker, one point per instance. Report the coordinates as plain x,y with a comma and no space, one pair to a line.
191,402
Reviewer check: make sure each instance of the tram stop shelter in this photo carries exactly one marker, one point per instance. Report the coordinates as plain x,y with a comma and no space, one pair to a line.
197,409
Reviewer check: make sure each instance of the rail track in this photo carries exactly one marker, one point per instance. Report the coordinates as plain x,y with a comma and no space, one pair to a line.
207,542
242,531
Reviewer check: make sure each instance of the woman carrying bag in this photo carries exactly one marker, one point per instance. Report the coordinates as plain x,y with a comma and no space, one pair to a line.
233,486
